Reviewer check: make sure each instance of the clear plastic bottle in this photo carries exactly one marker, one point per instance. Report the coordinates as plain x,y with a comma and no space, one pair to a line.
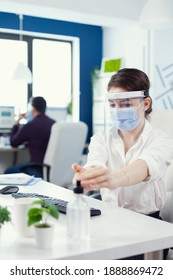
78,216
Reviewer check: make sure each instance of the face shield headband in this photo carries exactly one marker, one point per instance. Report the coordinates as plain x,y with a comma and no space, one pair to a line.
126,94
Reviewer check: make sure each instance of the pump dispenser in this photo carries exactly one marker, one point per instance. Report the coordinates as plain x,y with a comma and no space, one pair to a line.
78,189
78,216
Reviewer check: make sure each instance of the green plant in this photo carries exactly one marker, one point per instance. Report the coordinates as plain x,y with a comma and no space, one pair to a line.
5,215
39,215
70,107
94,76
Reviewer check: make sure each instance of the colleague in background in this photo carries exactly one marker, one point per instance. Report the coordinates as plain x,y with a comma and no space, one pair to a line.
35,135
128,164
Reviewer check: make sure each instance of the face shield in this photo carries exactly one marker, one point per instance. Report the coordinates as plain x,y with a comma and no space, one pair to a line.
121,110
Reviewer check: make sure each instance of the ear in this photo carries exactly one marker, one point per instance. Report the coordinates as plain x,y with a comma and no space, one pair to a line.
147,102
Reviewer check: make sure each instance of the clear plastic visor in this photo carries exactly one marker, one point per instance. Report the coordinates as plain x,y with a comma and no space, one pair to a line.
124,99
120,100
124,103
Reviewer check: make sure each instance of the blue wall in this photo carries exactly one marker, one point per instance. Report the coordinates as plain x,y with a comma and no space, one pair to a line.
90,50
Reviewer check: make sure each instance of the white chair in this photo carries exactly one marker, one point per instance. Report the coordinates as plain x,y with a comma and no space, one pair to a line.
66,145
167,211
162,119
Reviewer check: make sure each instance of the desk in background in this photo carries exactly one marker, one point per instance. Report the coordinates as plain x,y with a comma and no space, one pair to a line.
10,156
116,233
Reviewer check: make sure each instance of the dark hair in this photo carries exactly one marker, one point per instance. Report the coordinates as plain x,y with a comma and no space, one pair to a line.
131,79
39,103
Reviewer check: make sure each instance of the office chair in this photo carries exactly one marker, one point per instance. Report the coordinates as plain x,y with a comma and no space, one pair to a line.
162,119
65,146
166,212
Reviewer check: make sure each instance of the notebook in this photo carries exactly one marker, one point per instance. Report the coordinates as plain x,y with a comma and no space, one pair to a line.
16,179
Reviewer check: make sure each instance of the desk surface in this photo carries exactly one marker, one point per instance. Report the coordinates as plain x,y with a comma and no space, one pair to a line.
115,234
8,148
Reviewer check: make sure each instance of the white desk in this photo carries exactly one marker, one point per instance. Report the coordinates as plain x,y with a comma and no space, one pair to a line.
115,234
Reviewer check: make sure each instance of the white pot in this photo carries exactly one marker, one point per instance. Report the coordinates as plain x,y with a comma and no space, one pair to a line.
44,236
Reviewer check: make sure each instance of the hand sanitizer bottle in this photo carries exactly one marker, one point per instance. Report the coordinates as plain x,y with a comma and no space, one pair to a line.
78,216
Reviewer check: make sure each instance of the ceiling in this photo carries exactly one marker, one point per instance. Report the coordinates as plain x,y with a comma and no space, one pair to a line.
97,12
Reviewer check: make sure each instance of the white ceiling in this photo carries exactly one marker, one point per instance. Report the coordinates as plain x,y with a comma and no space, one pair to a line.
96,12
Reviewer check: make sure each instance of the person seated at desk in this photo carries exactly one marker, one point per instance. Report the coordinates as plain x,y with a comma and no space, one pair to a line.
35,134
127,164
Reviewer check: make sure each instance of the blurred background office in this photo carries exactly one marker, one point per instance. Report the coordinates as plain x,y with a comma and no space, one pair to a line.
65,59
63,54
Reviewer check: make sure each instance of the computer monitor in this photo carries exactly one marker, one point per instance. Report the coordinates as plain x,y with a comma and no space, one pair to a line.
7,118
57,113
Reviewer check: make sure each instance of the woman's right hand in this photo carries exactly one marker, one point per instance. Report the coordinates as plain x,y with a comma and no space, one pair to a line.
77,169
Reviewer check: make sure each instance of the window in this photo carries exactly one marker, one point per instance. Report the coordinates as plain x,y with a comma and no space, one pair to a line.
52,71
12,92
54,62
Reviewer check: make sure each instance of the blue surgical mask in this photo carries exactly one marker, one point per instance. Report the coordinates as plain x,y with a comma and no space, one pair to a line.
29,116
125,119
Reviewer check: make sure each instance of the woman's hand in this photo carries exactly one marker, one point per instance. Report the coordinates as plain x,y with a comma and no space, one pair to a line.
94,178
97,177
77,169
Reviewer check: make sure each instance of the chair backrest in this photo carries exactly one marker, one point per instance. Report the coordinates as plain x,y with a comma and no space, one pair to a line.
66,144
162,119
167,211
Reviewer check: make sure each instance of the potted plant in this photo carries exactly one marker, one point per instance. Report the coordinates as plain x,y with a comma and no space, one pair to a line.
5,216
38,216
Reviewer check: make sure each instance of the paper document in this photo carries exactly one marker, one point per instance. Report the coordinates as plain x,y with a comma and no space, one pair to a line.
15,179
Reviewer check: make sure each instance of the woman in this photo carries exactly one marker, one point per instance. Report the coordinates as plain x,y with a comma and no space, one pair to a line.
129,164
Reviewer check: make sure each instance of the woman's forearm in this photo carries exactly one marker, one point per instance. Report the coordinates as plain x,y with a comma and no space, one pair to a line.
132,174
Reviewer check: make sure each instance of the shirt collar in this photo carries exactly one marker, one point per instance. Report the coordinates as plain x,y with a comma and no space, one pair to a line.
114,131
146,131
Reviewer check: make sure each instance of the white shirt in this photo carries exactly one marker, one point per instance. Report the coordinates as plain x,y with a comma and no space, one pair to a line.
153,146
